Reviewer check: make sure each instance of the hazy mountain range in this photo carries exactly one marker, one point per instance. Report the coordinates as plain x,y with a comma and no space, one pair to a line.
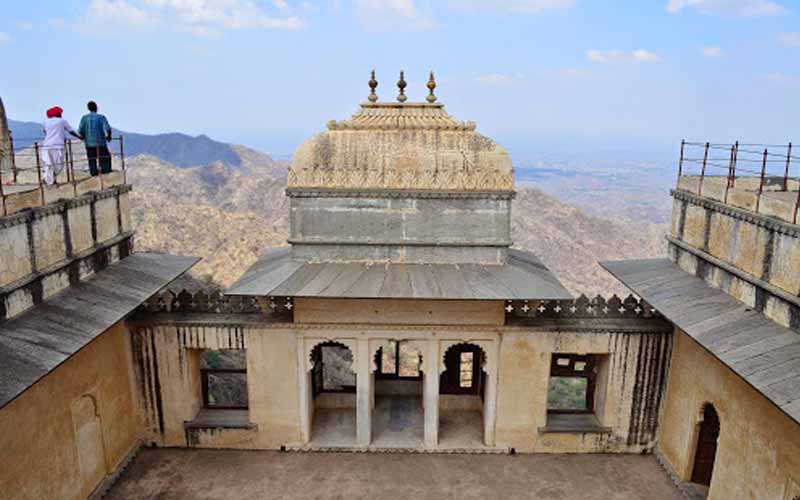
226,204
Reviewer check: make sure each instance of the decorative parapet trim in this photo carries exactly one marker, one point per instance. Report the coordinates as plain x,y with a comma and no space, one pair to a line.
299,192
761,220
582,307
404,243
214,302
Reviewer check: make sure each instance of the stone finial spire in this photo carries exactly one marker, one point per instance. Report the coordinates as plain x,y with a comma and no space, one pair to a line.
431,85
401,84
373,84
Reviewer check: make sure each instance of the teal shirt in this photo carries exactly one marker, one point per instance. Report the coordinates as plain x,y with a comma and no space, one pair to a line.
94,129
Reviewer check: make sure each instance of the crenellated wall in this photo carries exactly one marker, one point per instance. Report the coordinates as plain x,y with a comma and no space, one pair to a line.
45,249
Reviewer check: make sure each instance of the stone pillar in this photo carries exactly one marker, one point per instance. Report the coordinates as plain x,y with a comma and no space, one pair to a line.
304,392
490,397
431,392
363,393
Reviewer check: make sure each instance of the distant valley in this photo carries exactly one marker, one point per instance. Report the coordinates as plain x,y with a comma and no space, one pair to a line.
226,204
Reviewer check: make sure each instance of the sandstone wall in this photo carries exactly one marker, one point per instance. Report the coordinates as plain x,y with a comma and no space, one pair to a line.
758,455
73,428
753,257
43,250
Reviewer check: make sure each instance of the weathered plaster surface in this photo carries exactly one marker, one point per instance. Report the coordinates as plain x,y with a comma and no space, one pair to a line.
758,454
62,436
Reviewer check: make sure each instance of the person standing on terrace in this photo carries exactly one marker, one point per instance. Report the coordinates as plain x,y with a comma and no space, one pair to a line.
96,132
52,152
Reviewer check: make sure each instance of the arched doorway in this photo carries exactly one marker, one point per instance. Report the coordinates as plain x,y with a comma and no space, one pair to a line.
398,413
333,394
462,390
706,451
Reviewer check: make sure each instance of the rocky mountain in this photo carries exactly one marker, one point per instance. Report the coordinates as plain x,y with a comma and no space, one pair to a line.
229,215
178,149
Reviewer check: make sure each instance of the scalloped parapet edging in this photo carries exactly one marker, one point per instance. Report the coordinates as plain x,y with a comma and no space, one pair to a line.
215,302
582,307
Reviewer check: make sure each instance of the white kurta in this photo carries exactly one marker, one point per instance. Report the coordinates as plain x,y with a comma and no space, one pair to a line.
52,148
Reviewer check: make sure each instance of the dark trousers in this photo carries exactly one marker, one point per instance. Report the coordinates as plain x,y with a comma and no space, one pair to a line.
95,152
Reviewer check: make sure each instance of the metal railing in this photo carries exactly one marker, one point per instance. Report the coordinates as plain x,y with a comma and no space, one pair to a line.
23,169
772,166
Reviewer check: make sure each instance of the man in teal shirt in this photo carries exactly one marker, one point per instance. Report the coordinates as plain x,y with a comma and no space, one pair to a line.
96,132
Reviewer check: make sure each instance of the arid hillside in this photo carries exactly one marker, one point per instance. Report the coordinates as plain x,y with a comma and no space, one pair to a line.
230,215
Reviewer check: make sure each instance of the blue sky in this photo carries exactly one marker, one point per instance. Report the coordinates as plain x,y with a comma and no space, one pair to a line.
529,72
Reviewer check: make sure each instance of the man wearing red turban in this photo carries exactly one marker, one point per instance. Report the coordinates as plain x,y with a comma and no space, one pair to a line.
55,136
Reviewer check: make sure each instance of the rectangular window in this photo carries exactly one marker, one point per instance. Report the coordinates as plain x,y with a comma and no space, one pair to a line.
389,358
224,378
399,360
572,383
466,370
337,373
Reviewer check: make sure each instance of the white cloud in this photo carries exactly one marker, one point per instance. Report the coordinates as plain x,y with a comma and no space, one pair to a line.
783,79
25,26
200,18
523,6
791,39
56,23
712,52
393,15
637,56
4,38
497,79
746,8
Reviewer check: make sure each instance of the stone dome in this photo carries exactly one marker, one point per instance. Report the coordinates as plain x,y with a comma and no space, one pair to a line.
401,146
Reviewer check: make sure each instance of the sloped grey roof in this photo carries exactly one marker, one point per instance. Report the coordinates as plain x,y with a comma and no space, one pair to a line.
37,341
522,277
765,354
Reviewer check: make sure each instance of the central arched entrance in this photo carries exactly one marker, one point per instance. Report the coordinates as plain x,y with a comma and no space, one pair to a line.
462,392
706,450
398,416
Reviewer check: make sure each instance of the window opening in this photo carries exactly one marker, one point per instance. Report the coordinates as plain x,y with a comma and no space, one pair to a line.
572,384
223,376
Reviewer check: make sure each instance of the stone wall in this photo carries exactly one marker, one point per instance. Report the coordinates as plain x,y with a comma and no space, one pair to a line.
753,257
633,341
45,249
412,227
74,428
758,455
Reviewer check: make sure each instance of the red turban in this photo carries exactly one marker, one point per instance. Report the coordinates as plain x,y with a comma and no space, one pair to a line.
54,112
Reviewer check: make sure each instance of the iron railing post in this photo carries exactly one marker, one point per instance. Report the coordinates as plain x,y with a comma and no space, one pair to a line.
680,162
2,195
703,170
761,182
732,179
13,158
788,164
728,179
39,170
122,159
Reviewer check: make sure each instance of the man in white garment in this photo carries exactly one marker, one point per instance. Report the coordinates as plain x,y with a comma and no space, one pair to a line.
52,149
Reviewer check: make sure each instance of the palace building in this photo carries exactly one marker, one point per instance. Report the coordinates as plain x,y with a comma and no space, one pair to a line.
400,318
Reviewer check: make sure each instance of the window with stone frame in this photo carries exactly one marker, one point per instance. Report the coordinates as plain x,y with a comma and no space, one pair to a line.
223,375
398,360
572,383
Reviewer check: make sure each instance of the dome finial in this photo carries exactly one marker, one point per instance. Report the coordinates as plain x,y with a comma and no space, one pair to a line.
401,84
431,85
373,84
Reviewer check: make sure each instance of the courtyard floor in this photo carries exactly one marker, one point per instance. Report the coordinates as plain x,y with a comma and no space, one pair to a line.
173,474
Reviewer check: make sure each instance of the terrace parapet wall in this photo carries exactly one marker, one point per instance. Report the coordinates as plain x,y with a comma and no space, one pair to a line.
754,257
46,249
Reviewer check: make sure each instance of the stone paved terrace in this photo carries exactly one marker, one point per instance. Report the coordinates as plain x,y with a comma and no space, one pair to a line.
176,474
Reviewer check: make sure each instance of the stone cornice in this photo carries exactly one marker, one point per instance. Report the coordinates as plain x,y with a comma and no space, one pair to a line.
764,221
497,244
397,193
